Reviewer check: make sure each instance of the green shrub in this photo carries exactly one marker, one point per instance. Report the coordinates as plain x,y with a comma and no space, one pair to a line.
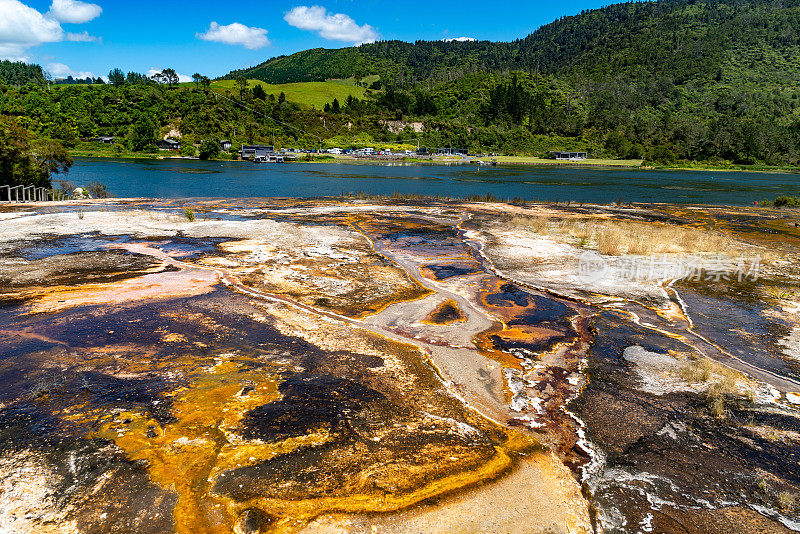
789,202
209,149
188,149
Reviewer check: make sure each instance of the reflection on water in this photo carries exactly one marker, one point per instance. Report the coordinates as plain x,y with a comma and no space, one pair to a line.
183,178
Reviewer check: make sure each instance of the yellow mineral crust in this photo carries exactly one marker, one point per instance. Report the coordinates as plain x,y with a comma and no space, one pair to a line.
296,514
537,495
188,454
183,455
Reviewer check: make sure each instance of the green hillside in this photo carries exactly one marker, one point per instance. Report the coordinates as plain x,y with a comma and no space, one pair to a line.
671,80
317,64
309,94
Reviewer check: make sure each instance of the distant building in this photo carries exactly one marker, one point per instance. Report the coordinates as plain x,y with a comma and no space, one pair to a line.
168,144
572,156
106,139
225,144
452,151
422,151
334,151
256,151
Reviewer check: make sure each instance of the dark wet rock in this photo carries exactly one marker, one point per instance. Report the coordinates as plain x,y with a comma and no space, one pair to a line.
373,446
55,389
72,269
671,449
127,501
311,403
445,313
89,482
255,521
757,326
442,272
729,520
616,422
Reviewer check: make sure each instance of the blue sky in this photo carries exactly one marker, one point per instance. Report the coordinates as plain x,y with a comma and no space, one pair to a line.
79,38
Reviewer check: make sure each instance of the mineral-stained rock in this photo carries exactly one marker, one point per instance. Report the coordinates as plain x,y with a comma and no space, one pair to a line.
280,365
446,312
78,268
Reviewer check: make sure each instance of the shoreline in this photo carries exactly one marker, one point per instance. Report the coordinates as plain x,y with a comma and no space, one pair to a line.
180,202
533,162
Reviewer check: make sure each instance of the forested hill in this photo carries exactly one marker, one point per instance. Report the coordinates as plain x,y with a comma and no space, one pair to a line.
755,40
673,82
18,73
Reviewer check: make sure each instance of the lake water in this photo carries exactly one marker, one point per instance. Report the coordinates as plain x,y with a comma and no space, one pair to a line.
190,178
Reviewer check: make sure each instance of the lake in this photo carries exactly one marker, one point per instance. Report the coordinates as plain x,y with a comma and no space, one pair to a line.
191,178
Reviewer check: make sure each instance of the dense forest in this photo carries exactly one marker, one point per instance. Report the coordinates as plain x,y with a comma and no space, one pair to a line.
27,160
671,82
682,39
18,73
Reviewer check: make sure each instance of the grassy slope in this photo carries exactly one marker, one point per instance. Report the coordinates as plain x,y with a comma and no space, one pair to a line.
315,94
309,94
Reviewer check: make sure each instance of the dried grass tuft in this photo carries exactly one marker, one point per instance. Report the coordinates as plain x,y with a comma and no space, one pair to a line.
615,238
724,384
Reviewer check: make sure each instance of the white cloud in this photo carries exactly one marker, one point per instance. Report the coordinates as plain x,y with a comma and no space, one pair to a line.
22,27
82,37
12,53
182,78
236,34
337,27
59,70
458,39
74,11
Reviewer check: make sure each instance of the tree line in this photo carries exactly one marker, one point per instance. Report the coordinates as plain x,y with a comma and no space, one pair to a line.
517,112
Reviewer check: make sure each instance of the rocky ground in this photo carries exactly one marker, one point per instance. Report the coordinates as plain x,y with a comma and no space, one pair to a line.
393,366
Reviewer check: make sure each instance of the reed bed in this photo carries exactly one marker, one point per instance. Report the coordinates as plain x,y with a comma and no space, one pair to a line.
615,238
